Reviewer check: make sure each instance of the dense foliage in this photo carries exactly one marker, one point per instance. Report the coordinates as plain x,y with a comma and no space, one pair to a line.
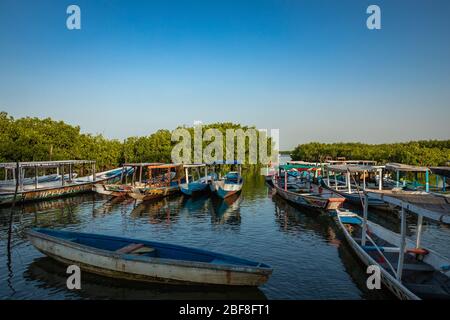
33,139
428,153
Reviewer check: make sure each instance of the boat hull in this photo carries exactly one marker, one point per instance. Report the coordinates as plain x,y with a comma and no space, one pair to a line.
310,201
355,198
388,280
145,194
129,267
194,189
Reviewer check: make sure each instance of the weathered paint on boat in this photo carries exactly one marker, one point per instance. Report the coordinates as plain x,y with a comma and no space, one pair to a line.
388,280
149,193
169,263
194,188
395,286
310,200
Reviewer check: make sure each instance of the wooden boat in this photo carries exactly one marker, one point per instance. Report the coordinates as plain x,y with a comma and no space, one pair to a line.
229,184
306,195
55,189
198,186
348,189
124,189
409,271
147,261
161,185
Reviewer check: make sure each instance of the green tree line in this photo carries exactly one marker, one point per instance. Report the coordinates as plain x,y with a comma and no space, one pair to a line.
425,152
34,139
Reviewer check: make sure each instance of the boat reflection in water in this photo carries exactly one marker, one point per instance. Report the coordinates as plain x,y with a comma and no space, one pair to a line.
226,210
163,210
49,274
294,220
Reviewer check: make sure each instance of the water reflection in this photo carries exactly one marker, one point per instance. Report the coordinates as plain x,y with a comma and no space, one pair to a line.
226,210
47,274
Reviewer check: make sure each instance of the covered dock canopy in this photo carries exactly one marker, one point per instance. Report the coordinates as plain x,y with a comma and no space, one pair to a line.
432,206
354,162
194,165
306,163
405,167
353,168
142,164
220,162
297,166
44,164
441,171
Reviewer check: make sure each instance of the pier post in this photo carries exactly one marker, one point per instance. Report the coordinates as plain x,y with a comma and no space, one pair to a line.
187,175
62,175
380,183
364,180
349,186
285,180
328,177
35,177
427,182
419,230
444,182
94,174
365,214
401,253
335,181
398,179
140,175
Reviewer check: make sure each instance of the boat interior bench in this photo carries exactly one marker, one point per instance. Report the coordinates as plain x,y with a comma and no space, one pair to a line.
136,248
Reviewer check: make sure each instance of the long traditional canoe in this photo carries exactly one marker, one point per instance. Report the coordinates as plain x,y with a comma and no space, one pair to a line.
147,261
425,273
54,189
310,199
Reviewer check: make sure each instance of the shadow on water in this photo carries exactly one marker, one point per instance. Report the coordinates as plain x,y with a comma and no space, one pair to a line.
49,274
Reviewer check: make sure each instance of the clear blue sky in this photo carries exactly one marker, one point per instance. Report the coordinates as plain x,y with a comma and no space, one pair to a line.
310,68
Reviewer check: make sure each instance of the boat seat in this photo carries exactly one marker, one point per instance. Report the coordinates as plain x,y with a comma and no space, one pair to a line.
130,248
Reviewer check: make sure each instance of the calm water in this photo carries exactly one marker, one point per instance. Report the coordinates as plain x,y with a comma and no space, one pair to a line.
310,260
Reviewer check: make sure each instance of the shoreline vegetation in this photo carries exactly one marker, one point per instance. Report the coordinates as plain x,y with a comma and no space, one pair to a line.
421,153
34,139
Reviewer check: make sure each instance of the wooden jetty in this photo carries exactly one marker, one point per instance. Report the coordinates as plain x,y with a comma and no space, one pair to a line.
40,190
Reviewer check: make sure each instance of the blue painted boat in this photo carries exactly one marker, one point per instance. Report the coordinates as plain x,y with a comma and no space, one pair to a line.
147,261
231,183
199,186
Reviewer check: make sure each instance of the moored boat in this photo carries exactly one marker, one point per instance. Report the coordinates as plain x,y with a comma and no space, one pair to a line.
407,269
198,186
231,183
165,182
304,193
54,189
147,261
352,188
